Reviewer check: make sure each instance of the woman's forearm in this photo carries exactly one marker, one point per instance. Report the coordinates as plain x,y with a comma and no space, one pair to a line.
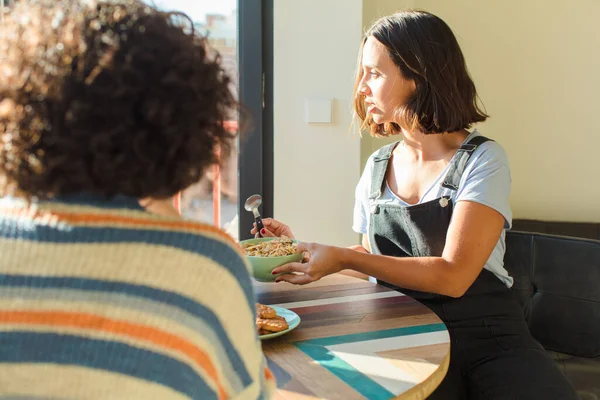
426,274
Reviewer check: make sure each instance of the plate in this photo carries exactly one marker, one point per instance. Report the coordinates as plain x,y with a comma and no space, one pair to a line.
291,317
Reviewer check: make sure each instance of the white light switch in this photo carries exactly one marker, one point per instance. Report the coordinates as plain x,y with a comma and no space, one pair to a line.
318,111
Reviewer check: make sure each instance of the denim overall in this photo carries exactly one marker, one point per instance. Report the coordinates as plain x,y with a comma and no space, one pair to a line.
493,355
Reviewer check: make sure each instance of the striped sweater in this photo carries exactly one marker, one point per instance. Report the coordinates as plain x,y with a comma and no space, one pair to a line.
102,300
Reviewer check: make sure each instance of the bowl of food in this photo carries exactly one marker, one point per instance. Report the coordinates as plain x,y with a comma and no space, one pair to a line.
266,254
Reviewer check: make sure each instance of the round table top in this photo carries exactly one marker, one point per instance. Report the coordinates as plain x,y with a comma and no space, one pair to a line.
356,340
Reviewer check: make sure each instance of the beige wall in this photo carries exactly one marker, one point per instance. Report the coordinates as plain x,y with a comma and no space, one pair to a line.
536,65
316,166
375,9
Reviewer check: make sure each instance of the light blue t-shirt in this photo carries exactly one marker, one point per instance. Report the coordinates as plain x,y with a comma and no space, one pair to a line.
486,180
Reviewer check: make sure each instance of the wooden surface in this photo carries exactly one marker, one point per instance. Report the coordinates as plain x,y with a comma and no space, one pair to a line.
357,340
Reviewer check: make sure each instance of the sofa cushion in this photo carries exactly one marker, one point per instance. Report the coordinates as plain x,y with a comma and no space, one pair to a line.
557,281
582,372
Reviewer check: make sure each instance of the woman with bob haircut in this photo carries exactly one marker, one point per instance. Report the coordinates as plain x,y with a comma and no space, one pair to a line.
105,106
433,209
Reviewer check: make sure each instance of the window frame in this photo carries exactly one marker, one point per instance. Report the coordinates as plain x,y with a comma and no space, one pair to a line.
255,63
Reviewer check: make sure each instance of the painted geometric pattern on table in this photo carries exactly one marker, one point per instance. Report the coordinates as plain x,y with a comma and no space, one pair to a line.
368,361
376,364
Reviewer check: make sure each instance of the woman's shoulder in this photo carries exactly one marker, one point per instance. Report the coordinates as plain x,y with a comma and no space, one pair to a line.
381,152
384,150
491,151
179,225
112,223
174,225
200,238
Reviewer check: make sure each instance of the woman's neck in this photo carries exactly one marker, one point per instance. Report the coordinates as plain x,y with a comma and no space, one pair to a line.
431,147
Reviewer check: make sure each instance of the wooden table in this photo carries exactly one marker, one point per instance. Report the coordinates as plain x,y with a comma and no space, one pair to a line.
356,340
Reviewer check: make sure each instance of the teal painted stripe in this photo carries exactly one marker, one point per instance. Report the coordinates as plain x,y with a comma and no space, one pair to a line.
359,337
355,379
315,348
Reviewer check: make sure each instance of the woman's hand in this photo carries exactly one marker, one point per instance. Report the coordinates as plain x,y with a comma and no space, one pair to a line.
322,261
273,228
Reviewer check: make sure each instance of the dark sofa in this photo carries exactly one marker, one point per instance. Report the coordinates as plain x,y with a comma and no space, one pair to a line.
589,230
557,281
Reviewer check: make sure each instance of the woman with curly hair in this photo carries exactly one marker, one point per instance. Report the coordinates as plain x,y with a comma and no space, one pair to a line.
104,106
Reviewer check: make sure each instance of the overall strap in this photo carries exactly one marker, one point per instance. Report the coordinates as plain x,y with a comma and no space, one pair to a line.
381,159
459,162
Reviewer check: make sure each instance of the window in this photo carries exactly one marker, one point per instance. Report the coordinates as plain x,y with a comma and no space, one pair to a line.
241,30
242,33
214,199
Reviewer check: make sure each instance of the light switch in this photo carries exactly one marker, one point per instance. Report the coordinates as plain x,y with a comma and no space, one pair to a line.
318,111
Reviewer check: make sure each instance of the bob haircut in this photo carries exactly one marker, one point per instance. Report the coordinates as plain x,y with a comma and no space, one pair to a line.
425,50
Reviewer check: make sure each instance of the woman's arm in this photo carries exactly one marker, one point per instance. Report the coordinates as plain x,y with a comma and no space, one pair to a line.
277,229
471,238
362,248
472,235
274,228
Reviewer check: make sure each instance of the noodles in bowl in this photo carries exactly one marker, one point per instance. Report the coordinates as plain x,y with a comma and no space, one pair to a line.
277,247
265,254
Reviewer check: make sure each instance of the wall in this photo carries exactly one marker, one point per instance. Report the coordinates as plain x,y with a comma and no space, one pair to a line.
535,64
316,166
536,67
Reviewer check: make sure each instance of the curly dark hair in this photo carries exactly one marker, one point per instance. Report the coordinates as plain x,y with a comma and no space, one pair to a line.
109,98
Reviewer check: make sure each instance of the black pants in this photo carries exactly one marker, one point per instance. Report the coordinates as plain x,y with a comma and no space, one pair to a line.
494,357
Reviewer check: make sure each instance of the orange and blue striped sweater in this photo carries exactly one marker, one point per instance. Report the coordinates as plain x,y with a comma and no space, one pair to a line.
102,300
